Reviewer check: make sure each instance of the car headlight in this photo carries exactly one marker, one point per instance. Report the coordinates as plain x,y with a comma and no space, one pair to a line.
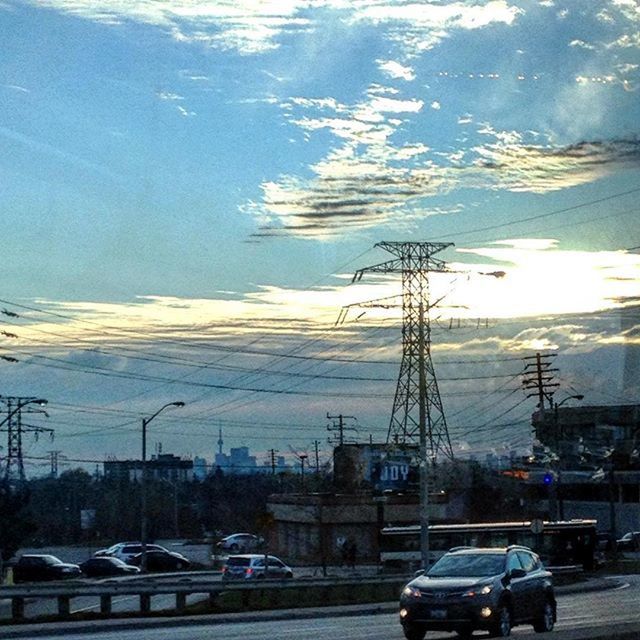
411,592
478,591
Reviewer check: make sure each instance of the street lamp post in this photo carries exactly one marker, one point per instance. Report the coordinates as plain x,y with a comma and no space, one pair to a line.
559,433
143,499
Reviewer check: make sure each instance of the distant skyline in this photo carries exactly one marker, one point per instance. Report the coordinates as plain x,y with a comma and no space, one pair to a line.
188,187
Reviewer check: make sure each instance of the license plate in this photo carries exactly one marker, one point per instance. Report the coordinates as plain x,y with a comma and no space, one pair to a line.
438,614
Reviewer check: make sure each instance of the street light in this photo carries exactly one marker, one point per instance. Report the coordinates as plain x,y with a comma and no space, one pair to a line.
556,429
143,502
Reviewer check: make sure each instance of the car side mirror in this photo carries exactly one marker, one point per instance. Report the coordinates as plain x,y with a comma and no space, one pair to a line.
419,572
517,573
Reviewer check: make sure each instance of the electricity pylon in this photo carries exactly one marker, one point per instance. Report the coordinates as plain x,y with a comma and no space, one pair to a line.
417,396
15,428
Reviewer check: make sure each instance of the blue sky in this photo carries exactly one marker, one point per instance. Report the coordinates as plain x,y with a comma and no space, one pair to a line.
180,178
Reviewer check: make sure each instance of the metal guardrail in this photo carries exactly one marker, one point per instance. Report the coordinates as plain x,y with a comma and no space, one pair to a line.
64,592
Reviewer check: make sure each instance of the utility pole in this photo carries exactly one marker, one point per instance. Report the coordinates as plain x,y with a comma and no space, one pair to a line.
538,377
316,444
15,428
340,426
415,261
272,458
424,462
303,458
53,459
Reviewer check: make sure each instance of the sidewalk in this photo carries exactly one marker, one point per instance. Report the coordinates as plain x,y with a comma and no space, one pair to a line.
33,630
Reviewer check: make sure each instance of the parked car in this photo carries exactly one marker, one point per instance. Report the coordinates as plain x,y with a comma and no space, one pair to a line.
106,566
471,588
630,541
252,566
36,567
126,550
240,543
162,560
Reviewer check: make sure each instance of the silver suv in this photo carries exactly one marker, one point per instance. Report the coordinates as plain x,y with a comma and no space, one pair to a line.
255,566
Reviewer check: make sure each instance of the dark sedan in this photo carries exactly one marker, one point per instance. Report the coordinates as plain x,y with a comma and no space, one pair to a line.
102,567
162,561
36,567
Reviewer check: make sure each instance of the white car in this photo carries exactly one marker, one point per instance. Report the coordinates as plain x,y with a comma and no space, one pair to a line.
253,566
240,543
125,551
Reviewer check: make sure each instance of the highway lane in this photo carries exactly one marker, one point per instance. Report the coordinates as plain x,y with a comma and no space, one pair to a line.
587,611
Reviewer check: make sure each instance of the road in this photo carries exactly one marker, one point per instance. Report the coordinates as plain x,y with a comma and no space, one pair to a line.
586,611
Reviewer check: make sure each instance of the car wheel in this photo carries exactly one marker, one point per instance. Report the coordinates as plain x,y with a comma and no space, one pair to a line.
288,575
546,620
464,634
502,625
414,631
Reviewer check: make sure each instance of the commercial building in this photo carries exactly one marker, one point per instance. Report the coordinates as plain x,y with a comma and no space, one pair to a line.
164,466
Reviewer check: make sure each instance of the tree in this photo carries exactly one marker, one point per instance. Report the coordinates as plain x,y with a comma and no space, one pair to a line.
16,521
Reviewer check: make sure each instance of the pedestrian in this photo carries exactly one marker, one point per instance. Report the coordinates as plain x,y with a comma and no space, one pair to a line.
352,550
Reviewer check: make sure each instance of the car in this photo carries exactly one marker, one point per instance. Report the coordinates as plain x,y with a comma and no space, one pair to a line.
126,550
254,566
162,560
36,567
106,566
630,541
491,589
240,543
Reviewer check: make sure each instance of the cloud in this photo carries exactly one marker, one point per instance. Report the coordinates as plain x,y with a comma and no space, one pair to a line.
396,70
539,169
253,28
367,181
420,26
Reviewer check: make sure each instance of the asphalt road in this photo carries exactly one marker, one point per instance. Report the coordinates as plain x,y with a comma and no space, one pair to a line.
580,615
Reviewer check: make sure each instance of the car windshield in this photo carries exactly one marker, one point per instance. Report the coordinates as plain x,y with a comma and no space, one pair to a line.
52,560
238,562
479,564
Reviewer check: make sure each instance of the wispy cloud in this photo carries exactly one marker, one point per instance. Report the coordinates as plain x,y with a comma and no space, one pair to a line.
367,180
251,27
515,166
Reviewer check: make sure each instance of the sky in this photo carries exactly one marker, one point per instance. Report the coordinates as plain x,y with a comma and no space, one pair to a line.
187,188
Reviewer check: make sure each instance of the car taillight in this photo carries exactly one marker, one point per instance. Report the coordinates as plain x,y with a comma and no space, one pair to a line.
249,571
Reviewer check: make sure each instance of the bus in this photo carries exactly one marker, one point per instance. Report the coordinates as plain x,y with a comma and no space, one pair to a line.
559,544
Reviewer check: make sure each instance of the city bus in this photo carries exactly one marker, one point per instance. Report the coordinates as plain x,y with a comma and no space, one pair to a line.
559,544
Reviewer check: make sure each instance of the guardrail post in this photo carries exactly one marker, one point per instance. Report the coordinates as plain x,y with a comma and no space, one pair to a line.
181,602
64,606
105,605
17,608
145,603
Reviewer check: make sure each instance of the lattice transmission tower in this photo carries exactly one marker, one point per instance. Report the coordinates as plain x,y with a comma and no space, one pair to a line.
15,429
417,378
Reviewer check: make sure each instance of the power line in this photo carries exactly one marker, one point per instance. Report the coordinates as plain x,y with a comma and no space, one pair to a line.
541,216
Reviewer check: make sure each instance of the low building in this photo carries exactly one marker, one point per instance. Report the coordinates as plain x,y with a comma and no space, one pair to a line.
312,528
164,466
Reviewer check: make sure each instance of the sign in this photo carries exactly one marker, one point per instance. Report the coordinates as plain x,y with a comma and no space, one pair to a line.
87,519
536,526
